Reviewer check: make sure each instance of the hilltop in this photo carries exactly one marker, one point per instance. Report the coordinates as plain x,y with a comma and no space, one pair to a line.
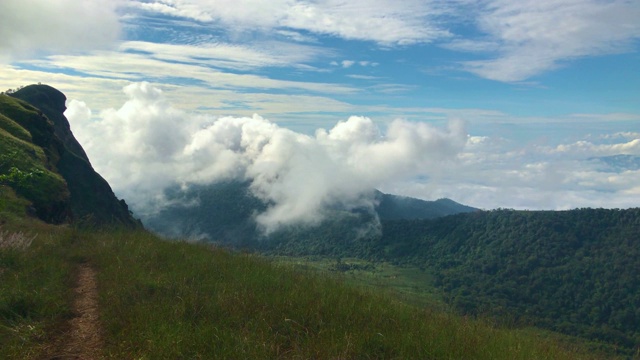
43,163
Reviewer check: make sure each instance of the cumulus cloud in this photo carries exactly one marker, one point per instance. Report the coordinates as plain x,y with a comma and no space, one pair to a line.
56,26
147,145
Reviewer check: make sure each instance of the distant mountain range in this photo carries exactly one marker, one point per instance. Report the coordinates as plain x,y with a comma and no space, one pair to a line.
394,207
224,212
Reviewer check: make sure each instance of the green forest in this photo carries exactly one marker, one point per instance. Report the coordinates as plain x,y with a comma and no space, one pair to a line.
569,271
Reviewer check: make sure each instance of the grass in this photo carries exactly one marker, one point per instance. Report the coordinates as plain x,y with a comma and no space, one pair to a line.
409,284
23,165
162,299
34,289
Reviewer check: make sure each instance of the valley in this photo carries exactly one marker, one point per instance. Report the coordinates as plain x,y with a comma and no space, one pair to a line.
377,276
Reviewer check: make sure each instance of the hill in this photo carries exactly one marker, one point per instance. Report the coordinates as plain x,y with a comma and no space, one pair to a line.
43,163
174,300
569,271
394,207
223,213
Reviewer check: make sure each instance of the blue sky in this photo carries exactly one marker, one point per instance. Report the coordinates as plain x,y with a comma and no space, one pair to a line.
548,91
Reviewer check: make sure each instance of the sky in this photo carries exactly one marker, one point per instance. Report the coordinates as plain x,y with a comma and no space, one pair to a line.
530,104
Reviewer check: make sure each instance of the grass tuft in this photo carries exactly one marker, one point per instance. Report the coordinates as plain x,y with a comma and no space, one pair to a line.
15,240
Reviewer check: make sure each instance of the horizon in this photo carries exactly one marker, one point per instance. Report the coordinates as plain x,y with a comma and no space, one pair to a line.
493,104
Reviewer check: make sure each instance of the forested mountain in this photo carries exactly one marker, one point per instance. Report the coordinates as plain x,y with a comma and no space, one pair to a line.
571,271
393,207
224,212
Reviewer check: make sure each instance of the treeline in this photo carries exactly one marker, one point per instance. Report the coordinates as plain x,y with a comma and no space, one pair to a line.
571,271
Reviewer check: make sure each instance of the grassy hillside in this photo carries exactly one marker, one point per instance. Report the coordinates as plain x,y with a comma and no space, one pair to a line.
568,271
25,166
163,299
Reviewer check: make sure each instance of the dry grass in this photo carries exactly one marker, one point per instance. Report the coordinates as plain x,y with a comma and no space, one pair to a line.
15,240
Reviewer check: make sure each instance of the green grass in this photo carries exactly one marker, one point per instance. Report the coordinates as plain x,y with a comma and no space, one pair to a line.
162,299
409,284
13,129
23,165
34,291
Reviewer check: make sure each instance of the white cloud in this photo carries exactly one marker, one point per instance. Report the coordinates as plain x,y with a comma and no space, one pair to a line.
385,22
297,36
147,145
535,36
589,149
138,67
35,26
301,111
174,8
488,175
347,63
231,56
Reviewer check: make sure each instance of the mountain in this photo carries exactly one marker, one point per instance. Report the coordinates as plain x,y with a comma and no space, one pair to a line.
43,162
28,154
220,212
573,272
393,207
223,212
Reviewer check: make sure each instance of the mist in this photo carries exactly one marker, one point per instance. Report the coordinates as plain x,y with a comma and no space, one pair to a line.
147,145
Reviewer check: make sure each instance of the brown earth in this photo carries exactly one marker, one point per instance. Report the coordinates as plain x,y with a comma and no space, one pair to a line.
83,339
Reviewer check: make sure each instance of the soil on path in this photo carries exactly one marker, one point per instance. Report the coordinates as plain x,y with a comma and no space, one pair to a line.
83,340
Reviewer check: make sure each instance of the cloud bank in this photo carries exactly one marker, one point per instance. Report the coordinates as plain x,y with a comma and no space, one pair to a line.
147,145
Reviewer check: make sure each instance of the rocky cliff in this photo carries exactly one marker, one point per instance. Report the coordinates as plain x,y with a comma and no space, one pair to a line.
45,150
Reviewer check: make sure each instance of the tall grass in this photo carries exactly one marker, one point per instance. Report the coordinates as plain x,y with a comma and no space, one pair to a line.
170,300
177,300
34,289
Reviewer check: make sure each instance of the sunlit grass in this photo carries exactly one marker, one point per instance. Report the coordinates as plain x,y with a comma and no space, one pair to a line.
179,300
161,299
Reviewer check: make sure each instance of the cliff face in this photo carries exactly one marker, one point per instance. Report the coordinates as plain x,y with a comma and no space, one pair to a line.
90,198
52,103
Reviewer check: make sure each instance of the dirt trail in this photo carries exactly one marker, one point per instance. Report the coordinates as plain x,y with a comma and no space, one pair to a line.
83,340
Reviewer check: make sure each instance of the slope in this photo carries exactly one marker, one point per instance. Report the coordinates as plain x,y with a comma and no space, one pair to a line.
28,153
38,110
223,212
570,271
